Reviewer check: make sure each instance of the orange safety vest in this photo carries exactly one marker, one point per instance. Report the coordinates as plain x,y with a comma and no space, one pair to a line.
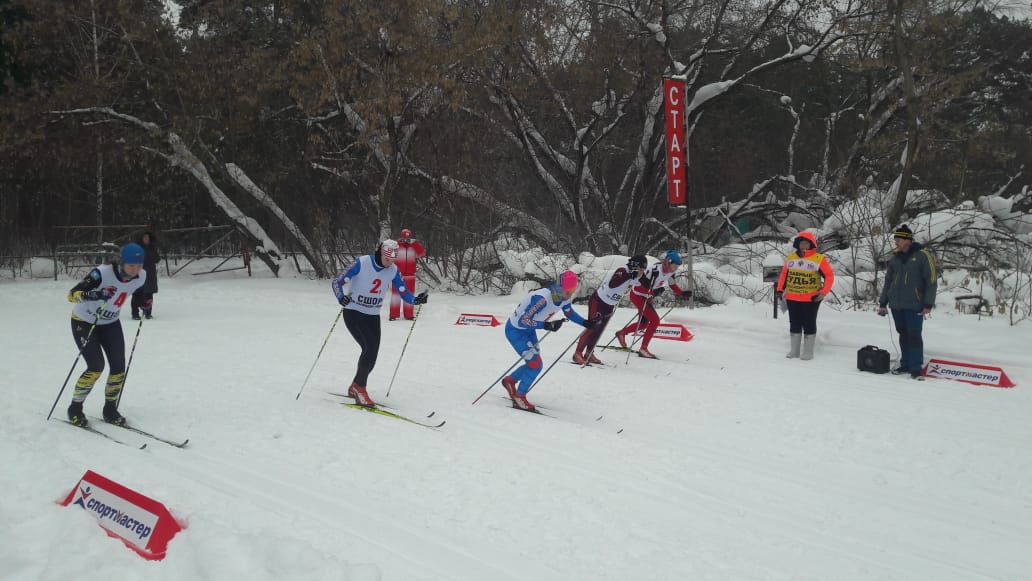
800,276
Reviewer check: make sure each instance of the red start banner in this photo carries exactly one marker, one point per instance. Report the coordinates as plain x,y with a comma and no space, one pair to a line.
670,331
673,106
968,373
477,319
142,523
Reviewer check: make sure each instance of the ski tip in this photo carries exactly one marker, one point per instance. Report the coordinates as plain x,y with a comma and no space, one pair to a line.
620,431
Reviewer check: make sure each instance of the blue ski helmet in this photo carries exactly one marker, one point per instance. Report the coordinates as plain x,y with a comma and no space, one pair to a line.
673,256
132,253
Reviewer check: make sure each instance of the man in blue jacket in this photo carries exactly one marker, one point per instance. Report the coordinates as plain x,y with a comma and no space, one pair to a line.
910,286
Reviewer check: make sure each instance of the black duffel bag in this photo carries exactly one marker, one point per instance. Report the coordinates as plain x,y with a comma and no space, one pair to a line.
873,359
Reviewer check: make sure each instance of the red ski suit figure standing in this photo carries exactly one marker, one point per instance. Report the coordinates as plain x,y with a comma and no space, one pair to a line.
409,249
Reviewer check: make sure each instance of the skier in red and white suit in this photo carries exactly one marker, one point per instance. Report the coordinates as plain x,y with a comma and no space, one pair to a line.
409,249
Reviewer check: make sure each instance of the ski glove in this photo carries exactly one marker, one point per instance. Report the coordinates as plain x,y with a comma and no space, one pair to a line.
420,299
97,295
658,291
589,323
344,300
553,325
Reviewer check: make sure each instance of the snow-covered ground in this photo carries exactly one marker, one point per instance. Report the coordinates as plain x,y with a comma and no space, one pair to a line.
733,462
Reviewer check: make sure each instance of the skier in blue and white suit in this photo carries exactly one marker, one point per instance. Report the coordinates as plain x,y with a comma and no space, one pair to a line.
368,281
521,331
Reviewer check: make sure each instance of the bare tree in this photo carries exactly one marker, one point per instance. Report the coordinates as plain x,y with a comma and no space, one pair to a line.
178,154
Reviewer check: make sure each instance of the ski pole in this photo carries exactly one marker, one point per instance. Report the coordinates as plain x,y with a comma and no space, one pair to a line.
129,364
640,337
605,322
511,367
89,334
326,340
641,315
405,346
557,359
606,346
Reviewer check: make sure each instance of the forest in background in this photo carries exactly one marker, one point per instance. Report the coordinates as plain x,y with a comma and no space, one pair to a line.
320,127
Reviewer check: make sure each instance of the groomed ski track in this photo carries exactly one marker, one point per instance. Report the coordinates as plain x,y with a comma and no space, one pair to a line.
734,463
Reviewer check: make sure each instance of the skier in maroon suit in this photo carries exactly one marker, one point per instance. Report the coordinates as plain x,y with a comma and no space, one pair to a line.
409,249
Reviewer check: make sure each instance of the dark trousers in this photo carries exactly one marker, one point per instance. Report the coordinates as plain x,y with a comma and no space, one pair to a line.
142,300
105,340
366,331
802,316
909,324
590,337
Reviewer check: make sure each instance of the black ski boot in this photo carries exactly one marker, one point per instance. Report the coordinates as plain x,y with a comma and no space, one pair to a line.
76,415
111,414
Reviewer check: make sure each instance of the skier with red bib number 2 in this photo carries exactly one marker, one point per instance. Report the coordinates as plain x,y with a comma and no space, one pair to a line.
361,289
97,329
409,249
521,331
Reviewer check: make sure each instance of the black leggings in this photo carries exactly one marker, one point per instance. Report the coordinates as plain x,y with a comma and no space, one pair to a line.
802,316
366,331
105,340
141,300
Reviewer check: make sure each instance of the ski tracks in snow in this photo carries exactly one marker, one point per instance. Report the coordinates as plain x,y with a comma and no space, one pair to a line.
367,532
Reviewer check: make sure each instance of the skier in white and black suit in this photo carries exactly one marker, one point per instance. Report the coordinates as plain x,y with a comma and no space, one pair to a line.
368,281
97,329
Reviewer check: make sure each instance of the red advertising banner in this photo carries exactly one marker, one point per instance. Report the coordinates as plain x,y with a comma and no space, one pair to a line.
673,107
968,373
142,523
477,319
670,331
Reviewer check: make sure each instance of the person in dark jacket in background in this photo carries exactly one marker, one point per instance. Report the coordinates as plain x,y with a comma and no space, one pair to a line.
143,298
910,287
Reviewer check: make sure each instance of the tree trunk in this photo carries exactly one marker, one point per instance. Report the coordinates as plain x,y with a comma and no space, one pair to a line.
257,193
913,145
181,156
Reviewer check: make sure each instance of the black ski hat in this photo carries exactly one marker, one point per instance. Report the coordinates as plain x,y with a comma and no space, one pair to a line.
637,261
904,232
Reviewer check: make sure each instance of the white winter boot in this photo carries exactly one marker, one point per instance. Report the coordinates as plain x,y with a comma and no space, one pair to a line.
808,341
793,352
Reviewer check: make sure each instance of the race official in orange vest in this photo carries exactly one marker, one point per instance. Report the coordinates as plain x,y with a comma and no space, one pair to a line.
806,278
